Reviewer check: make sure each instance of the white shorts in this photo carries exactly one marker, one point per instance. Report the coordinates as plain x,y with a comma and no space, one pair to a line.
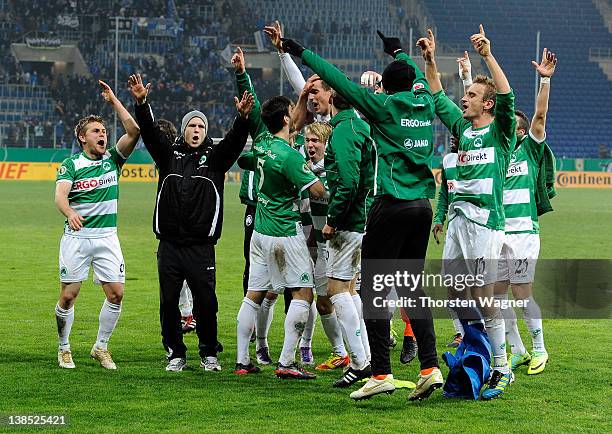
104,254
479,247
344,255
279,262
519,257
320,278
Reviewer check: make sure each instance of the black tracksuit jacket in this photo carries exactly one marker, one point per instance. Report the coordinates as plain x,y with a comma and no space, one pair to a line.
189,203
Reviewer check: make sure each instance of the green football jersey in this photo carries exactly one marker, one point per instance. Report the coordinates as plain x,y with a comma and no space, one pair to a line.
447,187
281,174
482,160
401,129
519,189
348,161
94,191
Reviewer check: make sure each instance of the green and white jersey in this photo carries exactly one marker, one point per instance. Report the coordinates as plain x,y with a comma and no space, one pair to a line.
482,160
94,192
447,187
519,190
281,175
318,207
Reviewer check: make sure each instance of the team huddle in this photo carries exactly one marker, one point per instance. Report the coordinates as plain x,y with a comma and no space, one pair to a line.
333,185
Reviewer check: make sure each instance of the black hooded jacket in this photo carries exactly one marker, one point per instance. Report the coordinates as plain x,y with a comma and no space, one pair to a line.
189,202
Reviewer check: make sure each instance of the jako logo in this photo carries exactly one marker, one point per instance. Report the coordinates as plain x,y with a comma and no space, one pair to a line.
422,143
413,123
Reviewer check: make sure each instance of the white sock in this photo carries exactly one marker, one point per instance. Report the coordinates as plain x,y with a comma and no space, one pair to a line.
244,329
496,332
295,321
364,333
185,300
513,337
264,319
333,333
64,319
456,322
349,321
533,319
109,315
306,340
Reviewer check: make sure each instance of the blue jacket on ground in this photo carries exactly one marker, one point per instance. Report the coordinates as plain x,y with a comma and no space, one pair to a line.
470,365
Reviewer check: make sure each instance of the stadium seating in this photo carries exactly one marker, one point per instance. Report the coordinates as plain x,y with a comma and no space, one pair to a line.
580,115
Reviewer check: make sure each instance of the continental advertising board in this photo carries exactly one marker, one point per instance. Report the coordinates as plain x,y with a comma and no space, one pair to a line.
566,179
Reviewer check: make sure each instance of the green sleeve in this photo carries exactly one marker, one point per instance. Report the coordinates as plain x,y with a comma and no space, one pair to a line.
442,204
298,172
450,114
66,171
256,125
348,157
505,119
370,104
246,161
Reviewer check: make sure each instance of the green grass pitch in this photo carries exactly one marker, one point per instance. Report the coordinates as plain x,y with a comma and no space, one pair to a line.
570,395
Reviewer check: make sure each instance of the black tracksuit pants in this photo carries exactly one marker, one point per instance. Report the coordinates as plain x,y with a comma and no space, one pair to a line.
196,264
397,229
249,223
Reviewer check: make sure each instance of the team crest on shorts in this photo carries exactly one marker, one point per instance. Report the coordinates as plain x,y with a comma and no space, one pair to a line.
305,277
63,272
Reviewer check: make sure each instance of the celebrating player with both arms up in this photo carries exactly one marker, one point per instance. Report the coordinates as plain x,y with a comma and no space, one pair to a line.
377,192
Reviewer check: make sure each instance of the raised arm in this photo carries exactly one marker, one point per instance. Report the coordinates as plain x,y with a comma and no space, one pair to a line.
504,105
155,141
393,48
483,46
446,110
292,72
243,81
546,69
127,142
369,104
228,149
428,51
300,112
465,70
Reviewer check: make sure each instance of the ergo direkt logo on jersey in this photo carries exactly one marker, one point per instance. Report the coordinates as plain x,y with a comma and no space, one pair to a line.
414,123
468,158
91,183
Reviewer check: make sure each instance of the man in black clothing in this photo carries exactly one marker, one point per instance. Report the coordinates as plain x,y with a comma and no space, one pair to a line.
188,217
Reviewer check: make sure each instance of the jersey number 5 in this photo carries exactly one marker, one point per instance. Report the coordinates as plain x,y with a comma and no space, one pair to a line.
260,164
